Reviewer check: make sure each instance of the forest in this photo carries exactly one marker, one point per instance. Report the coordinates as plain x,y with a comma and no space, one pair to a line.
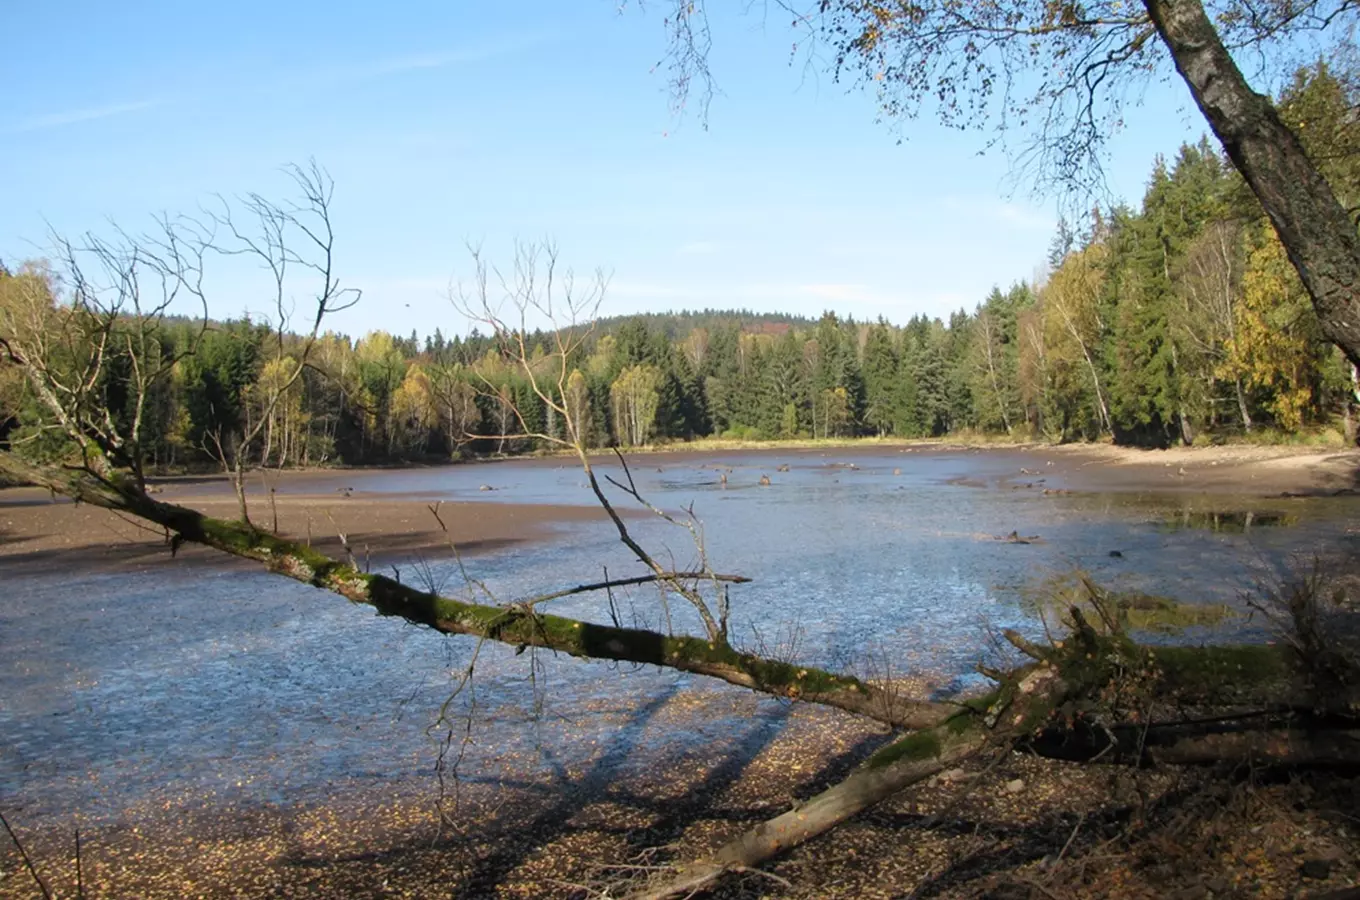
1222,307
1178,322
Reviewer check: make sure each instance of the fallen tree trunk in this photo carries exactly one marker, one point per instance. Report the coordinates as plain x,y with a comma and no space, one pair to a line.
922,756
519,625
1028,698
1054,708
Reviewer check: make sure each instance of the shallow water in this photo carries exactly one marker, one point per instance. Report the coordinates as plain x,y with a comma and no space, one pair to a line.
179,685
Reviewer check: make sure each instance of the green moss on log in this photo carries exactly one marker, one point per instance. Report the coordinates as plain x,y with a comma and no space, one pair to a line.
1147,612
515,625
918,747
1225,672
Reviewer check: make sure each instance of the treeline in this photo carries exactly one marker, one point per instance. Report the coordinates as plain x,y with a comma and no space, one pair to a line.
1165,324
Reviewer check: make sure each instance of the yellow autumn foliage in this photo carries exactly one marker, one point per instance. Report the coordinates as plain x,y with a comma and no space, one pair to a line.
1272,344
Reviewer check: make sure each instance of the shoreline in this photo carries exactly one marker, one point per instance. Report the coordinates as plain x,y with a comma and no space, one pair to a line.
41,535
1278,468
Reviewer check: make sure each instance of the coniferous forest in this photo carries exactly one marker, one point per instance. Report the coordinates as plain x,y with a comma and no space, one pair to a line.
1179,321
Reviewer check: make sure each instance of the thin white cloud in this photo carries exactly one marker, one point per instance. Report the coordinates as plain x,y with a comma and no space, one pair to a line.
75,116
697,248
415,62
361,71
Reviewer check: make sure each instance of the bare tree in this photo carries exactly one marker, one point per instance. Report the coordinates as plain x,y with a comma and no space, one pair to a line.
535,286
100,304
290,242
1210,283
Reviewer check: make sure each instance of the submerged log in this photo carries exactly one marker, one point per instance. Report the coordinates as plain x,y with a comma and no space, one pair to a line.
1016,537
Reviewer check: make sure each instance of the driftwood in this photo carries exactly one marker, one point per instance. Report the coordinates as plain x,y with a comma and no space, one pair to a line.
1016,537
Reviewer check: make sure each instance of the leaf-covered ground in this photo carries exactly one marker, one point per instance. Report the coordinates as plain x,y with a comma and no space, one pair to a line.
1022,827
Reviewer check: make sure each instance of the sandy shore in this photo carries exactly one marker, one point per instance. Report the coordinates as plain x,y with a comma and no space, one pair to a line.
1258,471
40,533
1262,471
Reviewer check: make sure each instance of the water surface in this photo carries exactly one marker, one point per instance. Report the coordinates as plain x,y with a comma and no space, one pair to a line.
176,684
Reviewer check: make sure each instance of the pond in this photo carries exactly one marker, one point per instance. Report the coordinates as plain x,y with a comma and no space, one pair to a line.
136,690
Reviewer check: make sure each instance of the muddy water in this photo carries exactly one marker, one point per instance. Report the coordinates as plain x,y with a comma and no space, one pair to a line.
180,685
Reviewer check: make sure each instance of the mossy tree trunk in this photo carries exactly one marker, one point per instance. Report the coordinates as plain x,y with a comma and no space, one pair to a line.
1074,701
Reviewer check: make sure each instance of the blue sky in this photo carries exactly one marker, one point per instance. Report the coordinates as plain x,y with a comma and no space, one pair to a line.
444,123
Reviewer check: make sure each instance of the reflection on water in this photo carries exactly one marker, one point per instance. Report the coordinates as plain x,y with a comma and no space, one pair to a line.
177,682
1231,522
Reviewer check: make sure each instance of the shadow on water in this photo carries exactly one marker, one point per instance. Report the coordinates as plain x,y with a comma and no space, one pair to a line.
559,804
206,678
555,820
552,820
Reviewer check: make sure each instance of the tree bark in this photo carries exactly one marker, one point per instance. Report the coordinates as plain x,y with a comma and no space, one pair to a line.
865,788
1318,235
1044,708
1242,404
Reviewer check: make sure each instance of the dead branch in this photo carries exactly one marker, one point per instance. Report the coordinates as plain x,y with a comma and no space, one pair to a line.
628,582
28,863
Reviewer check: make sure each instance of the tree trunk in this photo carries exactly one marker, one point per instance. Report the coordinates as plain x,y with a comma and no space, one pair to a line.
1242,404
1041,708
923,755
1316,232
991,369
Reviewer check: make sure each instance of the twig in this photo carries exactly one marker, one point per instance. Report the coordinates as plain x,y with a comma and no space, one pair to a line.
640,579
609,594
1070,838
749,870
80,869
457,554
344,540
23,854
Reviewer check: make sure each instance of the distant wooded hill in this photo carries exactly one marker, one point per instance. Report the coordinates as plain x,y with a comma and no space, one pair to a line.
1157,325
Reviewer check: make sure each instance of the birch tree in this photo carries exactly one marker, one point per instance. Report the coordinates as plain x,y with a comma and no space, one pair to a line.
1051,82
